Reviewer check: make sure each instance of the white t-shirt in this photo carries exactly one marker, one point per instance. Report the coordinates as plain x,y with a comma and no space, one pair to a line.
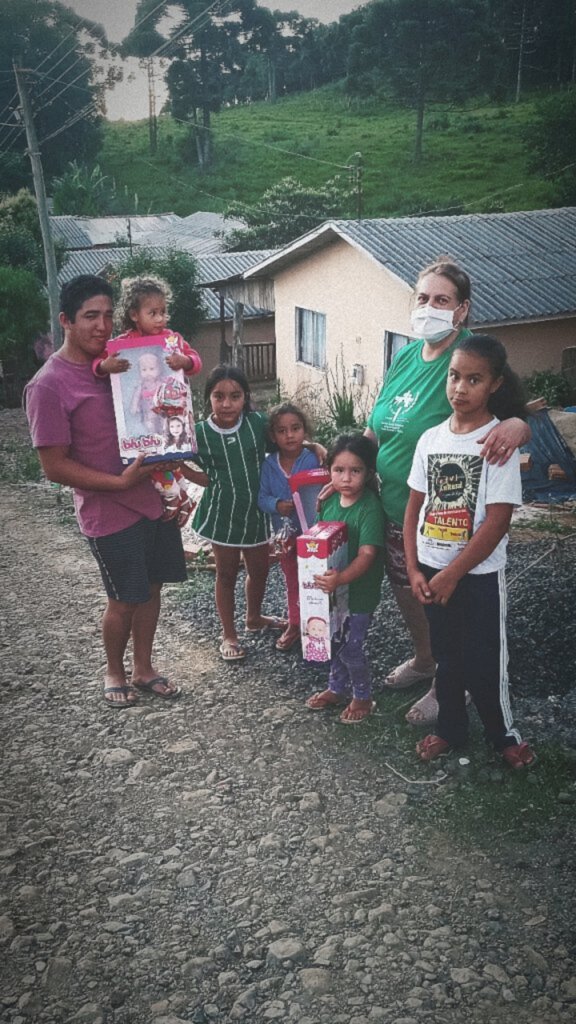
458,485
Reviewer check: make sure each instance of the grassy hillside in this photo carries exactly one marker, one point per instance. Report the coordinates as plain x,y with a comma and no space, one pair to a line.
473,157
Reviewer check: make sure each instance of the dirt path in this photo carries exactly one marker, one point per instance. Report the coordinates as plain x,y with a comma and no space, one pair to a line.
222,859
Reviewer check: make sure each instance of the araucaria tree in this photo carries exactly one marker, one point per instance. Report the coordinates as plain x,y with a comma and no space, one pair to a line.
424,51
204,50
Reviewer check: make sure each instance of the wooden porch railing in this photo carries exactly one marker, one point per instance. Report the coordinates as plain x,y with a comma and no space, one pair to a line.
259,360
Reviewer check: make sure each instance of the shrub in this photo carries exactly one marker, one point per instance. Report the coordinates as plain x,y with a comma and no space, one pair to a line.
548,384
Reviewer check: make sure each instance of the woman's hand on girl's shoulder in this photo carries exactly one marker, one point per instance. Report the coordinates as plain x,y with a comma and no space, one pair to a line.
500,442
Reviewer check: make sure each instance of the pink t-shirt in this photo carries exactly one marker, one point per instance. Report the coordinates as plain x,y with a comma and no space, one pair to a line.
67,405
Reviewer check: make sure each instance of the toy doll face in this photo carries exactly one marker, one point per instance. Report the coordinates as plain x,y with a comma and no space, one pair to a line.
317,629
149,368
176,428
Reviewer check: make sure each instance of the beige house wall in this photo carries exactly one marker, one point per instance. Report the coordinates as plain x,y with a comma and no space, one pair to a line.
353,292
361,301
535,346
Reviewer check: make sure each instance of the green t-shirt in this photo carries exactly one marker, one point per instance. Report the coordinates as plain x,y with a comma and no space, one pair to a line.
412,399
365,521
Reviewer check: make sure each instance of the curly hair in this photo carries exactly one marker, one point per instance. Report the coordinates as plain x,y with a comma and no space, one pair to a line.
133,291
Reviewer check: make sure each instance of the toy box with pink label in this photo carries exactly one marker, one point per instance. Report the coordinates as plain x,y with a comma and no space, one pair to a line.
324,546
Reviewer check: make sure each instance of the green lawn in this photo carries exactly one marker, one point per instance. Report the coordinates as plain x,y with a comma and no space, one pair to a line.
474,158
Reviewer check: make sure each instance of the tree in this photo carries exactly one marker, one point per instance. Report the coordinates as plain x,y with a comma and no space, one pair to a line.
424,50
20,235
178,269
57,48
286,211
206,57
550,140
83,191
24,315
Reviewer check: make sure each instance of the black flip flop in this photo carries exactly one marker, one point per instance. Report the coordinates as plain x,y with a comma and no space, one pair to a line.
159,680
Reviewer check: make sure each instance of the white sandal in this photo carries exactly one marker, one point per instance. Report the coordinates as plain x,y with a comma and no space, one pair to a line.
403,676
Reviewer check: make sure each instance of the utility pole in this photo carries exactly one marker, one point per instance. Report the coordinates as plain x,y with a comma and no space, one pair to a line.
356,171
40,191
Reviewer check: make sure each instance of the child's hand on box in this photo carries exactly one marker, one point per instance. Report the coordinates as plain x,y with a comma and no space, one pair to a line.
114,364
178,361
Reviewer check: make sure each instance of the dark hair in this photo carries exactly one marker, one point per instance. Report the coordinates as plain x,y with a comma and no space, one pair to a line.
182,441
509,400
363,447
133,291
444,266
75,293
286,409
226,372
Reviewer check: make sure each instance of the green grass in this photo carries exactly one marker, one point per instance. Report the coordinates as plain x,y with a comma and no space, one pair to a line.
474,158
480,803
19,462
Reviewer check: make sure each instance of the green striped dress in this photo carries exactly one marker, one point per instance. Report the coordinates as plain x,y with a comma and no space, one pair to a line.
228,511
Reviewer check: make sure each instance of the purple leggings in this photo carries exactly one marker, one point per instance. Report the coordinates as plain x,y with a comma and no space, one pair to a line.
349,669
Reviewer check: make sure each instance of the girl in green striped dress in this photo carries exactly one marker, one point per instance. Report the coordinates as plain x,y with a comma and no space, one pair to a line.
231,449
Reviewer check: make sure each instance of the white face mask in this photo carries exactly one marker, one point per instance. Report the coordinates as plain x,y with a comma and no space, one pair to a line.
431,324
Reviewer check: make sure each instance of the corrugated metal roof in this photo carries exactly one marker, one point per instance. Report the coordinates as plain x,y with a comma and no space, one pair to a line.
95,261
224,265
90,261
83,232
204,224
522,265
68,230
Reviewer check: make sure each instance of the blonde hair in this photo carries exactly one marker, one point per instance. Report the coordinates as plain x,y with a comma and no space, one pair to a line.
132,292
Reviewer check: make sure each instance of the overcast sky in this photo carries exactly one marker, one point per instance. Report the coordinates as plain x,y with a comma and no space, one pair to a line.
130,99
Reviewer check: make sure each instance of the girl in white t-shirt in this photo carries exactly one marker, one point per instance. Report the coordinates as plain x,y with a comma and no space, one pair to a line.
455,536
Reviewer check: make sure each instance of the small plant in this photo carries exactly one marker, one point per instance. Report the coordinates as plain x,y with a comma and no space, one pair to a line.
548,384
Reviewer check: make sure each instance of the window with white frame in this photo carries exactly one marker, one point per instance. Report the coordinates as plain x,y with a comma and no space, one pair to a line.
392,344
311,337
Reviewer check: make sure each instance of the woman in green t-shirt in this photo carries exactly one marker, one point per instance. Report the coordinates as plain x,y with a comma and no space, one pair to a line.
412,399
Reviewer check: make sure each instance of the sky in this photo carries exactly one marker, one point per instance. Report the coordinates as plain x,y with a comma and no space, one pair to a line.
129,100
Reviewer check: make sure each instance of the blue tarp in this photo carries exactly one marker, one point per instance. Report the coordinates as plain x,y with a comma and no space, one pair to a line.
546,447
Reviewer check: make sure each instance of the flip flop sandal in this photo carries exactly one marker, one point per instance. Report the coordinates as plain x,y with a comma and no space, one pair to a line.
172,691
432,747
322,702
361,714
287,640
424,711
229,651
520,756
118,705
404,676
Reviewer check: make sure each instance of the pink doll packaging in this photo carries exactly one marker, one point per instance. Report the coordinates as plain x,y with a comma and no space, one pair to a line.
152,403
323,546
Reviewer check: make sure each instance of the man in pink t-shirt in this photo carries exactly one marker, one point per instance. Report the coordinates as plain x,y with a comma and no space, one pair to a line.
71,418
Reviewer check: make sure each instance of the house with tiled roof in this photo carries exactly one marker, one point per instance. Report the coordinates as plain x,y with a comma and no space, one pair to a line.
345,290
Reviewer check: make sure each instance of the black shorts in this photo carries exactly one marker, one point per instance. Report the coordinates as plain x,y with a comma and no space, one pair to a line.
148,552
